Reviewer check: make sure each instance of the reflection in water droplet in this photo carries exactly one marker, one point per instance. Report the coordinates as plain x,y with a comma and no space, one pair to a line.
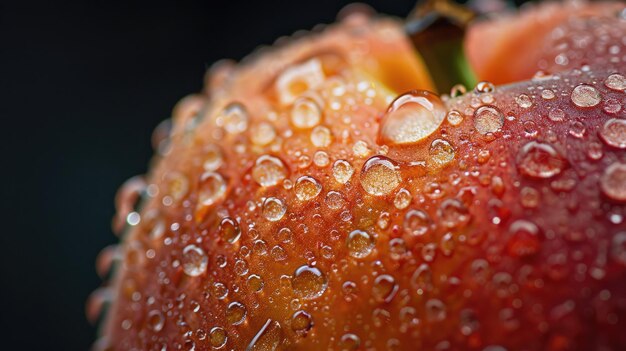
380,176
308,282
194,260
360,243
585,95
411,117
539,160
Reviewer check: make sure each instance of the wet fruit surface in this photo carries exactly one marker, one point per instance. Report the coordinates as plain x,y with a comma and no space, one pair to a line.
304,205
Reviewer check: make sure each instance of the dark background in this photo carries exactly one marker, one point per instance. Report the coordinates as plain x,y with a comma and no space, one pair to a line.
82,86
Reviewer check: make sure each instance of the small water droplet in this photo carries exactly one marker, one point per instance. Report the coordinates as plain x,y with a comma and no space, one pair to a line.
488,119
539,160
547,94
194,260
616,82
212,189
613,133
380,176
301,322
234,118
255,283
360,243
213,158
321,136
307,188
218,337
342,171
262,134
484,87
305,113
229,230
403,199
417,223
556,115
454,117
384,288
524,101
273,209
236,313
411,117
613,182
440,153
349,342
585,95
435,310
308,282
156,320
268,171
524,239
335,200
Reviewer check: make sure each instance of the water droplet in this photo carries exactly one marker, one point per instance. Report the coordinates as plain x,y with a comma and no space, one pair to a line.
268,171
530,197
556,115
305,113
457,90
229,230
213,158
262,134
307,188
361,149
611,106
616,82
613,182
547,94
360,243
488,119
194,260
585,95
435,310
217,337
440,153
524,101
342,171
321,136
273,209
234,118
417,223
335,200
539,160
308,282
156,320
219,291
212,189
384,288
236,313
403,199
454,117
411,117
613,133
255,283
524,239
321,159
379,176
453,214
301,323
297,79
349,342
268,338
484,87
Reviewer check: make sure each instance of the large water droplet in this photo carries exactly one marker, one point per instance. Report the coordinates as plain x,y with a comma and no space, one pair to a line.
380,176
613,133
613,182
307,188
488,119
539,160
308,282
360,243
585,95
194,260
268,171
412,117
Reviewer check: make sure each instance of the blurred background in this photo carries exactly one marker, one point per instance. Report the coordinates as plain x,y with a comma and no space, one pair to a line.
82,86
